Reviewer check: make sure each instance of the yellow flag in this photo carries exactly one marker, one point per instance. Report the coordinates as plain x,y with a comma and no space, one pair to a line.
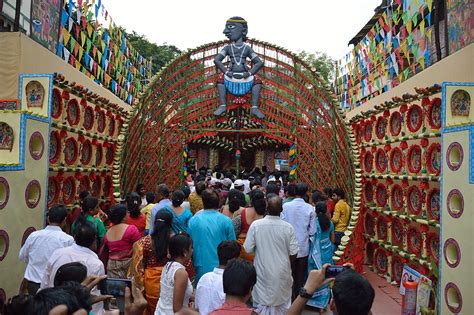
409,27
81,52
78,65
66,36
430,4
83,38
422,27
89,29
421,61
428,34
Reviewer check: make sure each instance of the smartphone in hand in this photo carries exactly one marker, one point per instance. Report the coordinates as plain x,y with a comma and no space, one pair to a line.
116,288
333,271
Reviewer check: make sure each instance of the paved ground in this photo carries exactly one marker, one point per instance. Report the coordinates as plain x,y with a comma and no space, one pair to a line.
387,297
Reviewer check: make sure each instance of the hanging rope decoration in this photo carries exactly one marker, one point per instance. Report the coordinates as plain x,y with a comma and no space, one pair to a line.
293,164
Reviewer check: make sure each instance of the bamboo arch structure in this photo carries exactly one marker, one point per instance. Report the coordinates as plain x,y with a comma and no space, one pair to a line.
177,110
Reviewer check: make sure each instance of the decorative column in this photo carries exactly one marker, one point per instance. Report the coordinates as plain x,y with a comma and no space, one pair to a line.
259,159
292,163
213,158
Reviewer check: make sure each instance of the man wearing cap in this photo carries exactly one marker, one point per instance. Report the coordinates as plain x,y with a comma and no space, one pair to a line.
239,185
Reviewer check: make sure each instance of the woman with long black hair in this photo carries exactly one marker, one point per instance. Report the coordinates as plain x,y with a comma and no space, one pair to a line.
135,217
119,241
150,255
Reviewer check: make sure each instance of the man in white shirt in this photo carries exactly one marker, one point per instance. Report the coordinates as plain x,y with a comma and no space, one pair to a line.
82,251
210,289
274,243
301,215
40,245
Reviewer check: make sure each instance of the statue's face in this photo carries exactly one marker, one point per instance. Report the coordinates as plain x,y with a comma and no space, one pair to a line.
234,31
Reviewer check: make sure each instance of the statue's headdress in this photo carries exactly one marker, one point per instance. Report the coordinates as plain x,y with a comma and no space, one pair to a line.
237,19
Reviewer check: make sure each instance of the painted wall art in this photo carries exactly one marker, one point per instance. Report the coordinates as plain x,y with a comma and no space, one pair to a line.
6,136
45,22
35,94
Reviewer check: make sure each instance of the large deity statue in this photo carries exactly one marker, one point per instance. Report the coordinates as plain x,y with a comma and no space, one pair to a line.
237,78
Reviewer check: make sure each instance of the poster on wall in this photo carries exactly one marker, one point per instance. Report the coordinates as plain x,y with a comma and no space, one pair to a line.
460,24
423,290
281,165
45,22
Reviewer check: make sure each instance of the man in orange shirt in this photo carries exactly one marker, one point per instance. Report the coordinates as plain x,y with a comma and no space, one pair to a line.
341,216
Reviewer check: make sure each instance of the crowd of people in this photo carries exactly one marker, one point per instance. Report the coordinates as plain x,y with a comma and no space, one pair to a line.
222,244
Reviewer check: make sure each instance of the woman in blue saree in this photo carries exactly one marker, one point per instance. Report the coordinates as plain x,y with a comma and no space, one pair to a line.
321,249
181,216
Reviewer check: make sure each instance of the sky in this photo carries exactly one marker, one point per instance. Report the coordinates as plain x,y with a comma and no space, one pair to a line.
310,25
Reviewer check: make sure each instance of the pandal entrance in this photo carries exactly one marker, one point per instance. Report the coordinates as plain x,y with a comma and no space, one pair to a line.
301,116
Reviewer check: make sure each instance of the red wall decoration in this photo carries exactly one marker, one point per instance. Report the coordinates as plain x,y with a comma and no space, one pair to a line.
400,157
84,133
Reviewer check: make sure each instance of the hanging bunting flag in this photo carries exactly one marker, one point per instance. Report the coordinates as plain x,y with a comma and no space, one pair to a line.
72,43
66,54
88,45
70,24
59,51
76,49
66,36
81,53
87,59
83,39
64,18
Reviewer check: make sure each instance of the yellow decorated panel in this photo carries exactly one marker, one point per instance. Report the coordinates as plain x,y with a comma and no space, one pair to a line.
23,198
457,226
459,107
35,95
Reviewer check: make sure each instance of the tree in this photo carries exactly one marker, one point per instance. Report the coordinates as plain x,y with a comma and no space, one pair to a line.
324,64
160,55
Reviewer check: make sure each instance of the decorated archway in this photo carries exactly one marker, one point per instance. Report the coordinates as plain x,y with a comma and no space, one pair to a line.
176,111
